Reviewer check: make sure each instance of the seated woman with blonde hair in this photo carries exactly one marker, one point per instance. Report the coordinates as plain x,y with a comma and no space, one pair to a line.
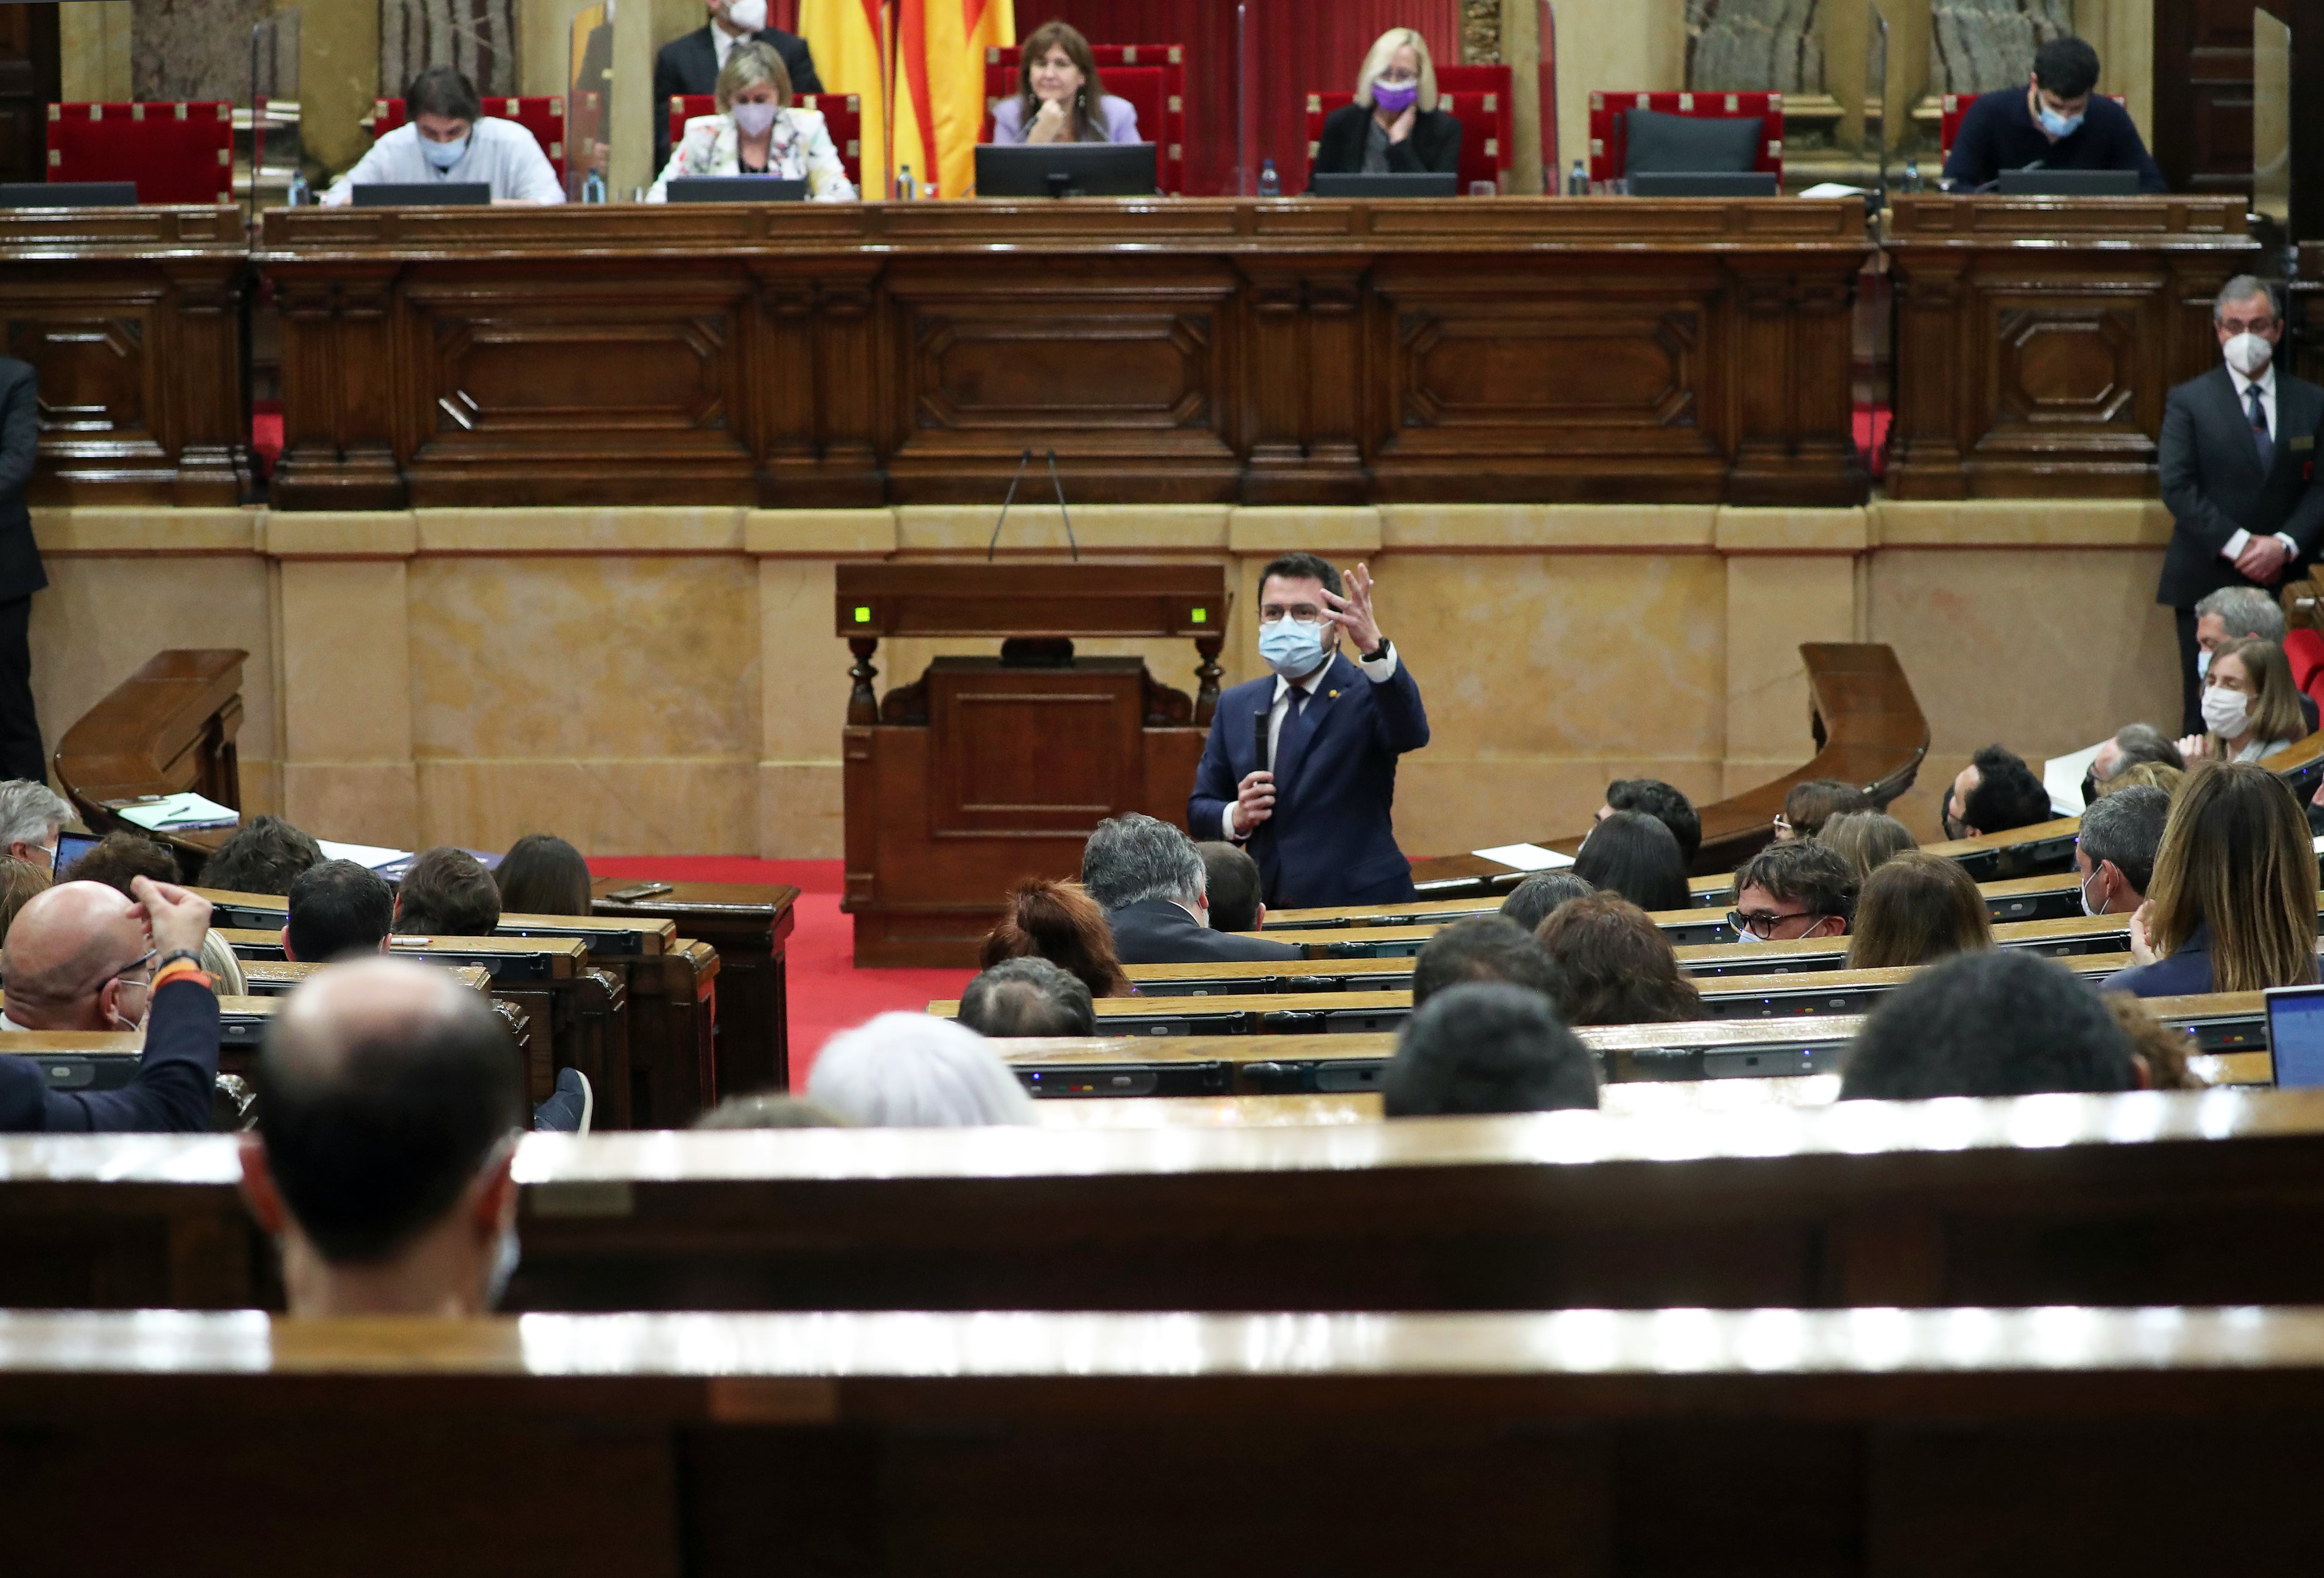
1057,921
757,133
1393,127
2251,707
1916,909
1058,97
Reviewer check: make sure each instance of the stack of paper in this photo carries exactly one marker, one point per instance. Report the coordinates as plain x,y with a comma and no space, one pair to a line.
1524,857
178,814
370,856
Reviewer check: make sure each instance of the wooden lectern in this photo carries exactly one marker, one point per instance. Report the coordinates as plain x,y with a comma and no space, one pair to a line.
986,770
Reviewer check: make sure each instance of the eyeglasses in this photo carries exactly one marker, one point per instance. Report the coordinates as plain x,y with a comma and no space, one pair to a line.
2261,325
1296,615
145,961
1762,925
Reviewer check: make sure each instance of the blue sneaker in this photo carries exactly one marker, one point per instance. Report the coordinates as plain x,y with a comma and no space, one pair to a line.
569,1111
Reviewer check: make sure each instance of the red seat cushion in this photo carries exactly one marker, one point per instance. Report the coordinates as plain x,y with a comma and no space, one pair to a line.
1608,141
2305,648
174,152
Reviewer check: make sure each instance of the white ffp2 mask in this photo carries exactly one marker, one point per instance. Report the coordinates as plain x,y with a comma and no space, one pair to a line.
2225,712
2248,353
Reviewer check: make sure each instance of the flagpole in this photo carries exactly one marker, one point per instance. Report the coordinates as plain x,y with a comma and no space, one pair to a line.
887,94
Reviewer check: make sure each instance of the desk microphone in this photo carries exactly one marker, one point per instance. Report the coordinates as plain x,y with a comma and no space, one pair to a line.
1023,461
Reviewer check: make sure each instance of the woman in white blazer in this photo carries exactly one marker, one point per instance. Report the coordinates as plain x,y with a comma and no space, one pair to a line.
757,133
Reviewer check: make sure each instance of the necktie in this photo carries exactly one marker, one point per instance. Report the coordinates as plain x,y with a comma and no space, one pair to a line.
2261,441
1291,744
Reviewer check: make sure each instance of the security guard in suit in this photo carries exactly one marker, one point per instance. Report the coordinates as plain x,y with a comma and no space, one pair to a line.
21,572
2238,462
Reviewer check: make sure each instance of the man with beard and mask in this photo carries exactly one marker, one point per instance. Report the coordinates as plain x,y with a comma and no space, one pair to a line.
84,957
388,1107
2237,459
2060,122
447,140
1300,766
689,65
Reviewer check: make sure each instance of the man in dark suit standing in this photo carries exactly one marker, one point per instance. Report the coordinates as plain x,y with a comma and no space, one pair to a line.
691,64
1302,765
21,572
2238,464
1150,881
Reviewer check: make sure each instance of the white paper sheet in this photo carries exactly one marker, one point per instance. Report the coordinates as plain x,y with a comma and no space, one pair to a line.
1524,857
1834,188
178,813
2063,777
370,856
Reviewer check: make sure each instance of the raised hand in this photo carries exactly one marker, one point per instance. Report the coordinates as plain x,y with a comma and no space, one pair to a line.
1353,612
1401,127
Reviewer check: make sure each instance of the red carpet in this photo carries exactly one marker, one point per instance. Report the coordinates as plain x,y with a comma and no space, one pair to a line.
827,991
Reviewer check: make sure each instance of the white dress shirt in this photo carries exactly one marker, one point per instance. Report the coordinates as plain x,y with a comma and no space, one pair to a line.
2265,384
501,154
723,42
1380,671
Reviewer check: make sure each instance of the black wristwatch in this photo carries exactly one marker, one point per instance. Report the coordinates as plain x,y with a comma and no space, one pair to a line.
173,956
1376,653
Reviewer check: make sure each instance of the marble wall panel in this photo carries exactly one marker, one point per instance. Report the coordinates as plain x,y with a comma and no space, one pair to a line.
1755,45
194,48
1976,46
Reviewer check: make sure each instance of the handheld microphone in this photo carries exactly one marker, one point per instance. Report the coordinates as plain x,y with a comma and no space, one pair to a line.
1023,461
1259,739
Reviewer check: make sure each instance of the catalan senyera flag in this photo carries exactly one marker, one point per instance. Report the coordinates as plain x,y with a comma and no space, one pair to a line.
850,40
940,48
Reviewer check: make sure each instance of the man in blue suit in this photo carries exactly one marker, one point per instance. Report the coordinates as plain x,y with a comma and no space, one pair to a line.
1301,766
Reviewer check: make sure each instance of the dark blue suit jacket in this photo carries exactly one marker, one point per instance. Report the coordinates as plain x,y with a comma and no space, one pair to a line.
171,1092
1331,840
2185,974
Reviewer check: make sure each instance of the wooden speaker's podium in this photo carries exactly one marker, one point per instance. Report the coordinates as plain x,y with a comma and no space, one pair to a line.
987,771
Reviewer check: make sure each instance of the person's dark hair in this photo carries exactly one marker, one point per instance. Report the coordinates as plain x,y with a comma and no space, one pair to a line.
1234,880
375,1137
1028,997
442,90
1532,901
1060,34
2007,796
447,892
1487,1046
1802,870
1634,855
1135,859
119,856
2125,827
1614,965
1810,803
338,909
1480,947
265,855
1916,909
1056,921
768,1110
541,874
2007,1023
1665,805
1304,566
2067,67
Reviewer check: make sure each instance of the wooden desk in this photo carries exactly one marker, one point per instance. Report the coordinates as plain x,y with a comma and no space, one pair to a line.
1186,350
750,925
2037,336
1364,1445
1868,731
134,319
167,729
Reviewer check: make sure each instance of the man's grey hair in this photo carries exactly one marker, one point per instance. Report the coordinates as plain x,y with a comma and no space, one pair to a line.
912,1071
2126,828
2137,743
1133,858
2245,611
2243,288
31,811
1028,997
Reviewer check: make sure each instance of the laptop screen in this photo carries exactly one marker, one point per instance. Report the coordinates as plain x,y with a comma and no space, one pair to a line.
2295,1036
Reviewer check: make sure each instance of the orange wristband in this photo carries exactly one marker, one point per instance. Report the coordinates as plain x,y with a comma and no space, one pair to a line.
183,970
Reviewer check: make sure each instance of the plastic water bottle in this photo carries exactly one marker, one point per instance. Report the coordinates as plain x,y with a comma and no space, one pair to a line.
1577,183
1913,174
300,195
1270,185
905,192
593,187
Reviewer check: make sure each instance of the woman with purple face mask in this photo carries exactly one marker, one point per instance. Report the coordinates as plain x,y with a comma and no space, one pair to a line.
1393,127
756,132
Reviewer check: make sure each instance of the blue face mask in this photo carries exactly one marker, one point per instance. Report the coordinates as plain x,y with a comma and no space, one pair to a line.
445,155
2059,125
1292,649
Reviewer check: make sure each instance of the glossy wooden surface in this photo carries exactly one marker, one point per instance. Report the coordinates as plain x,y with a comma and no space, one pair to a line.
749,925
1868,729
134,320
2037,338
167,729
1286,353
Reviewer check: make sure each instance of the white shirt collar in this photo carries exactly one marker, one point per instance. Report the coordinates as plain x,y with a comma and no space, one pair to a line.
2265,381
1310,682
723,42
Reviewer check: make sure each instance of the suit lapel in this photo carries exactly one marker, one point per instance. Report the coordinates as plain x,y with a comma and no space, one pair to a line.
1292,752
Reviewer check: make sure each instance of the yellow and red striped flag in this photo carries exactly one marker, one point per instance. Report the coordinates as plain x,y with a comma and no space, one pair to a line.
940,47
850,40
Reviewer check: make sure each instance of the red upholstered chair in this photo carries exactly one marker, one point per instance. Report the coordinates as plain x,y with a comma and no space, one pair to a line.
543,117
1956,106
1608,139
2305,650
842,117
174,152
1484,116
1151,76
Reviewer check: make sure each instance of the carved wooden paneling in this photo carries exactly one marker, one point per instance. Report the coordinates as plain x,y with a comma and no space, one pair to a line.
133,318
1317,353
2035,340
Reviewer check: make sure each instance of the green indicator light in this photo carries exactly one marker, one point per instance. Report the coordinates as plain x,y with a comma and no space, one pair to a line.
1201,617
864,616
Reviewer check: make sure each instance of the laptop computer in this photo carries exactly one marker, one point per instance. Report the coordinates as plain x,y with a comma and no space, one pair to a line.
386,194
2296,1035
1395,184
68,194
1704,183
1065,170
2067,183
735,189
